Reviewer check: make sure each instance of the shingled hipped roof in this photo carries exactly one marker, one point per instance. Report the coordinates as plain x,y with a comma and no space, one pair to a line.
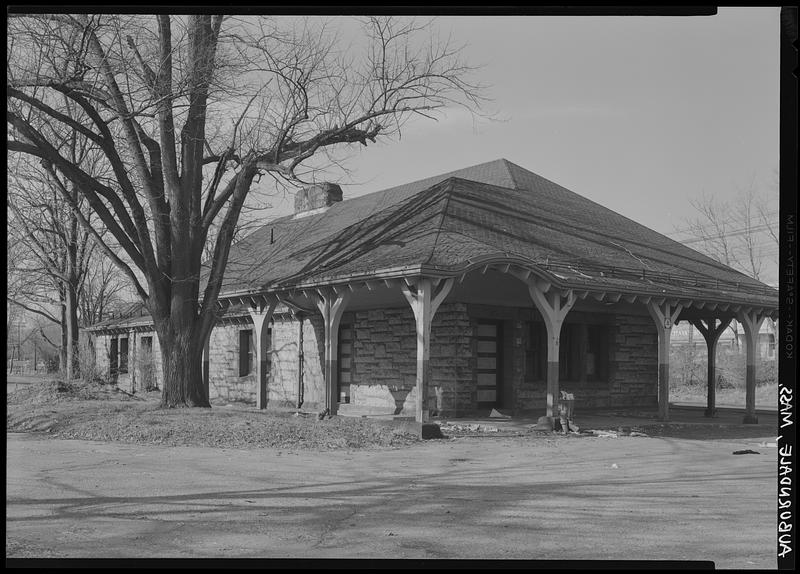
495,211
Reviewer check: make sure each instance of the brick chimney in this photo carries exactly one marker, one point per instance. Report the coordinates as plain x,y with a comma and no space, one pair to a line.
316,198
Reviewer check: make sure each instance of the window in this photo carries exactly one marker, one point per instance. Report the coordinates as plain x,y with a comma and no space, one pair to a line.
345,352
112,356
536,355
569,352
123,355
245,352
597,353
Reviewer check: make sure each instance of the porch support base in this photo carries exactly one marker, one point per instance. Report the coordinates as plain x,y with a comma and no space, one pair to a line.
261,314
424,296
331,304
711,332
664,315
553,306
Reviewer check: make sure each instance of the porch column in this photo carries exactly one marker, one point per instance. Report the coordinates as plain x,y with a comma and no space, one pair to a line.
424,296
751,321
664,315
553,306
711,333
331,303
261,317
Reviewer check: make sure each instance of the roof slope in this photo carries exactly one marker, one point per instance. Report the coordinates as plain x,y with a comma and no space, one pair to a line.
448,221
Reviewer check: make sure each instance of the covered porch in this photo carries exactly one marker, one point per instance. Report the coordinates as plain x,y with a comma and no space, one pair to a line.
549,294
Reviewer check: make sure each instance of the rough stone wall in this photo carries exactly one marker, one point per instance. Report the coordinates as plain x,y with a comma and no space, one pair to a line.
283,381
634,362
224,381
384,370
102,346
632,370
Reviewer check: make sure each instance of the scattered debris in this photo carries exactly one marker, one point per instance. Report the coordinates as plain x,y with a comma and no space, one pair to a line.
452,427
324,414
603,434
614,465
544,424
624,431
748,451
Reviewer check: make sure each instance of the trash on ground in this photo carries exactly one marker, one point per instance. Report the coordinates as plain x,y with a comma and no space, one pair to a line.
603,434
614,465
468,427
748,451
495,414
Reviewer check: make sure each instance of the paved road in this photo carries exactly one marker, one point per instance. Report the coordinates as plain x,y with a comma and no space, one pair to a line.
487,497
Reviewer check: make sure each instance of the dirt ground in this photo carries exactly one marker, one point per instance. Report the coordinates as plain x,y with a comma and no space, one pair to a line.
489,497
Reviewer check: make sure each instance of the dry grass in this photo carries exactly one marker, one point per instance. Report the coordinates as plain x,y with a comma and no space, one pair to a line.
96,412
766,394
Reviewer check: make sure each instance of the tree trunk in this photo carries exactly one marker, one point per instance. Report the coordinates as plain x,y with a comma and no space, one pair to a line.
182,366
62,351
73,369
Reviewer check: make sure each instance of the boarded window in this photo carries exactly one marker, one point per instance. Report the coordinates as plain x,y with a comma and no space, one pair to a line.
123,355
113,355
245,352
345,361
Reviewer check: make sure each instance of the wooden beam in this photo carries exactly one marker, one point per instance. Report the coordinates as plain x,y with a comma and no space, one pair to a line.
664,316
424,301
553,310
751,320
331,305
261,319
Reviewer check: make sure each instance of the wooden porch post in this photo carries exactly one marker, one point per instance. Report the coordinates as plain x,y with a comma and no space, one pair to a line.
711,333
424,301
664,315
261,317
331,304
553,309
751,321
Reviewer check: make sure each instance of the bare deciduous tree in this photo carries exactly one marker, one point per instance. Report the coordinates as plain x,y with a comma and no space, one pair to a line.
189,113
741,233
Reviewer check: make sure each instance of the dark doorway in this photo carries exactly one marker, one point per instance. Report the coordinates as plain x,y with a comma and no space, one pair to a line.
489,363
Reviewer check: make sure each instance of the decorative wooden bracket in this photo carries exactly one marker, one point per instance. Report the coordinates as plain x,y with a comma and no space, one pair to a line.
553,306
425,299
711,332
331,304
664,314
261,312
751,320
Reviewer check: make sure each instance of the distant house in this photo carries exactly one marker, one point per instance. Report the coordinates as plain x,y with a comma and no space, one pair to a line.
488,287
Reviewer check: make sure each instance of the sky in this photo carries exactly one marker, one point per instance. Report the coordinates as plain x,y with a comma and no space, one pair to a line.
640,114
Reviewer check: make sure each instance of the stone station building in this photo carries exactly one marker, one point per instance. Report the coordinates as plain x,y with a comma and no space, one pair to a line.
488,287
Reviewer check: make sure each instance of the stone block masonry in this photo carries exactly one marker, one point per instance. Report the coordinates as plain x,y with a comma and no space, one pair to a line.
385,362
